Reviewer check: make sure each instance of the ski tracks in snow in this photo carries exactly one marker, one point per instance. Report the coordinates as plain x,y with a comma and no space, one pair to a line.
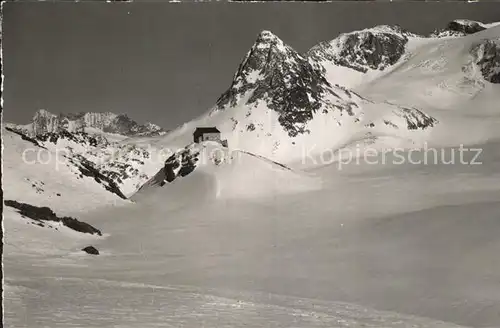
103,303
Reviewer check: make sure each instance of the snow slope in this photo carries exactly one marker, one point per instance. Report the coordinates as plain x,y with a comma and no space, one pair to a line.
416,240
222,173
402,83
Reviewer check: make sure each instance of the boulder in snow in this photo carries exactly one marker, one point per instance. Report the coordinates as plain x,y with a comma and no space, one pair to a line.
91,250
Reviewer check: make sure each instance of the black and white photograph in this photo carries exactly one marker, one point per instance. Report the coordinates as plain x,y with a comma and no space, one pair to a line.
251,164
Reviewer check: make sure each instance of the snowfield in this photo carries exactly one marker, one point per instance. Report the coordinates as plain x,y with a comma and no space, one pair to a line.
414,240
251,236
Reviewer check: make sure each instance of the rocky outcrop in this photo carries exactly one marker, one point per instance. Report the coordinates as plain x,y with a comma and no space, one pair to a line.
72,139
45,122
181,163
88,169
296,87
24,136
376,48
486,57
415,119
91,250
459,27
45,214
276,74
465,26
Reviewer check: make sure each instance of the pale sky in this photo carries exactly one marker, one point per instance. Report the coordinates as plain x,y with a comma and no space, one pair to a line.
169,62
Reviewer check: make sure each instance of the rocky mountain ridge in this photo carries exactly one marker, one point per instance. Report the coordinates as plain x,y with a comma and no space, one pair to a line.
458,28
292,86
297,89
486,56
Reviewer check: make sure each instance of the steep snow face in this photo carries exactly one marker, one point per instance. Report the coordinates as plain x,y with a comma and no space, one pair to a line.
46,122
120,166
274,73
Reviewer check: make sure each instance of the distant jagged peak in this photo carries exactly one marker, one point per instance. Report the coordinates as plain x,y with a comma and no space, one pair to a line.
46,122
43,112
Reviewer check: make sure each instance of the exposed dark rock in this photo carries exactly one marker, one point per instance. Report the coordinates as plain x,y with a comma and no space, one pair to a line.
81,138
24,136
91,250
180,164
119,166
171,165
416,119
88,169
276,74
459,27
41,214
295,86
486,56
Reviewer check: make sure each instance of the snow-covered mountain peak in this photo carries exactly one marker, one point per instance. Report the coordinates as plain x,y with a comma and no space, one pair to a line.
277,75
153,127
267,51
42,112
268,36
374,48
